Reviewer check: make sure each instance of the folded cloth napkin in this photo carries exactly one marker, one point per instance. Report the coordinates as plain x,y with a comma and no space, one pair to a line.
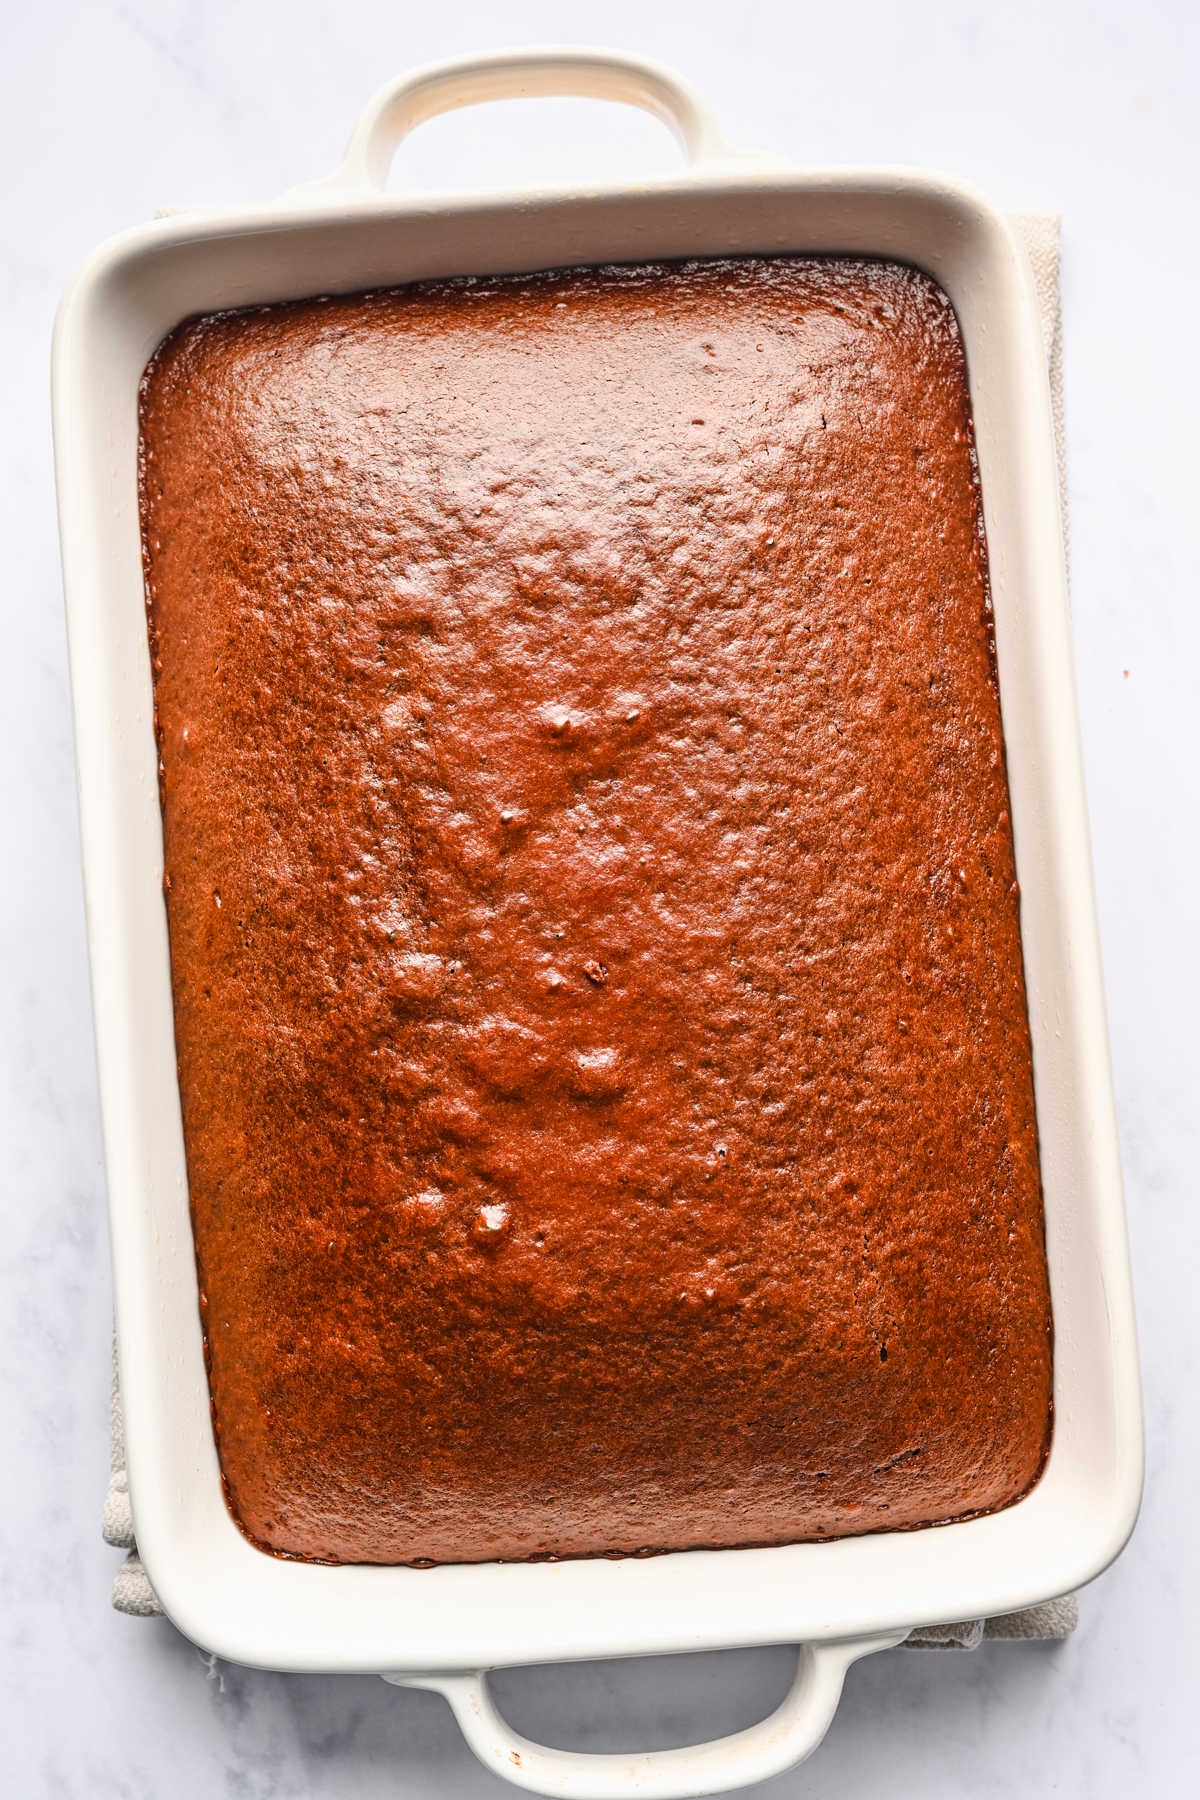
132,1592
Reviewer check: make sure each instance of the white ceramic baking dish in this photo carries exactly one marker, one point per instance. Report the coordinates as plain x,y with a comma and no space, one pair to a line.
442,1627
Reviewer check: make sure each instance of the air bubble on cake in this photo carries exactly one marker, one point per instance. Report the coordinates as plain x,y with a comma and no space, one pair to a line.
599,1073
398,715
490,1224
455,1119
415,977
562,724
504,1054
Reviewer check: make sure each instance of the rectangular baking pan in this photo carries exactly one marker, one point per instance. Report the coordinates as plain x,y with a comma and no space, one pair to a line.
438,1626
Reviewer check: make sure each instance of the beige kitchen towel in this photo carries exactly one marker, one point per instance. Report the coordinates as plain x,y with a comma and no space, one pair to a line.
132,1592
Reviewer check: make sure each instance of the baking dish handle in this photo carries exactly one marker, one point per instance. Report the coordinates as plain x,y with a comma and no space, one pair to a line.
776,1743
411,99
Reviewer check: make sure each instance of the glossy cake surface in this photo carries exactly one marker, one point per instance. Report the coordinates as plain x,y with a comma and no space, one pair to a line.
599,1005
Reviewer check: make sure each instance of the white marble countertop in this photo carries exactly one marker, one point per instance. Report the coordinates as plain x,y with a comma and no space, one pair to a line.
115,107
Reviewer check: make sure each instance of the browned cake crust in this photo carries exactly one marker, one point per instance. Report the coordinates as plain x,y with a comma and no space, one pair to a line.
598,989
